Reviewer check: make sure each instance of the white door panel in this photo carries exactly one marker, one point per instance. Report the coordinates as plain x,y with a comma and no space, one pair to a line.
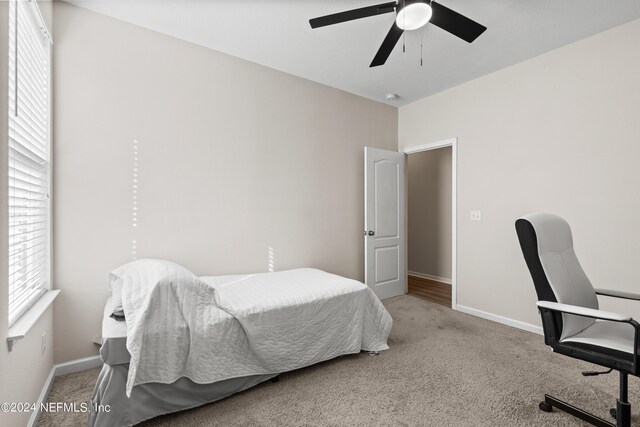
384,222
386,198
387,263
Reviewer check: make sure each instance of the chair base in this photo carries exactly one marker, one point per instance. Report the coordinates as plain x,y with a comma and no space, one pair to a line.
622,412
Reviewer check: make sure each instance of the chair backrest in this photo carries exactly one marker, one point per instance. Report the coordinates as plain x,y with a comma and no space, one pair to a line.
547,246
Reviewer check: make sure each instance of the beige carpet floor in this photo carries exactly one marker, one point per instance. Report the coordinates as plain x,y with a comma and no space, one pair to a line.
444,368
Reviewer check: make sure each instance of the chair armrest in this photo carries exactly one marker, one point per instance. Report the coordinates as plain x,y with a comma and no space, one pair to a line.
583,311
617,294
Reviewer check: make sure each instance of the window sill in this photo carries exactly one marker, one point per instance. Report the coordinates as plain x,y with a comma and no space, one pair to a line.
26,322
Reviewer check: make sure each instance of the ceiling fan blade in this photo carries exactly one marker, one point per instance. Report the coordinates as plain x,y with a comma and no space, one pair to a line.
458,25
387,46
350,15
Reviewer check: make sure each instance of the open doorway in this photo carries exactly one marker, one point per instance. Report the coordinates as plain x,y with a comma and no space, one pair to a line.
431,222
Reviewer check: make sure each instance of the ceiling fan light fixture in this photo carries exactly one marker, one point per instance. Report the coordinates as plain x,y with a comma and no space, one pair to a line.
413,16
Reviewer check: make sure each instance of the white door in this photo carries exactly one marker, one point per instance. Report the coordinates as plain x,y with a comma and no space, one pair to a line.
384,219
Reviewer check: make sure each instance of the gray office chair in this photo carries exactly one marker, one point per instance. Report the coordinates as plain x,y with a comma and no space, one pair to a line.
572,322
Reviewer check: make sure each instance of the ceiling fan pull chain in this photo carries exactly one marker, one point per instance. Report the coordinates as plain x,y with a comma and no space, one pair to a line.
404,33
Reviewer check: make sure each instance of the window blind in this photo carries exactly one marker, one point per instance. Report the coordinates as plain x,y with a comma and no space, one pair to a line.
29,208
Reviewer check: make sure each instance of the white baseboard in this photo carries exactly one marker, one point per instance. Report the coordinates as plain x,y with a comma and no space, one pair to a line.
430,277
500,319
77,365
44,394
62,369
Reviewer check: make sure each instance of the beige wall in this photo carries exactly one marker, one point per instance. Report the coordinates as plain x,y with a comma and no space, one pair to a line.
234,159
429,212
558,133
24,370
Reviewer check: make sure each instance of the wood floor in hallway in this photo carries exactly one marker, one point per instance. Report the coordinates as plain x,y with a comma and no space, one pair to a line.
430,290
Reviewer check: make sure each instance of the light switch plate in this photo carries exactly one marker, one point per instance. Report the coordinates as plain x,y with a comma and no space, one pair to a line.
476,216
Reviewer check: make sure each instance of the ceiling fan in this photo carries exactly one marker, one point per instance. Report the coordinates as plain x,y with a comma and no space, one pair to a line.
410,15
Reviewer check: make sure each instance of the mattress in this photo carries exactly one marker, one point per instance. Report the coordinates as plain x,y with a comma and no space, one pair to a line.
114,333
262,323
114,339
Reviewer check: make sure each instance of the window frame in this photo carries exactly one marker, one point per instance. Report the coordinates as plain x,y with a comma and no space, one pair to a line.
39,29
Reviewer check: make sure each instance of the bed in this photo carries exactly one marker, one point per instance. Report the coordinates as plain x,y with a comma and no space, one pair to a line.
187,341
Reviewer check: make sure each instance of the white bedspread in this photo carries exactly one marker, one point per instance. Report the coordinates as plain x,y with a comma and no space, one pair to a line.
256,324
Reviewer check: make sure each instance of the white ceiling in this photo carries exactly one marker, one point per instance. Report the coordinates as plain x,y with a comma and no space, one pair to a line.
277,34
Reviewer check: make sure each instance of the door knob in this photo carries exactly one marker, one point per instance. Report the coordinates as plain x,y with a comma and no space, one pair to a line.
371,233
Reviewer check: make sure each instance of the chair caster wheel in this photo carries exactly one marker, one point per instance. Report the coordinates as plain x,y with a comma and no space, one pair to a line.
544,406
613,412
